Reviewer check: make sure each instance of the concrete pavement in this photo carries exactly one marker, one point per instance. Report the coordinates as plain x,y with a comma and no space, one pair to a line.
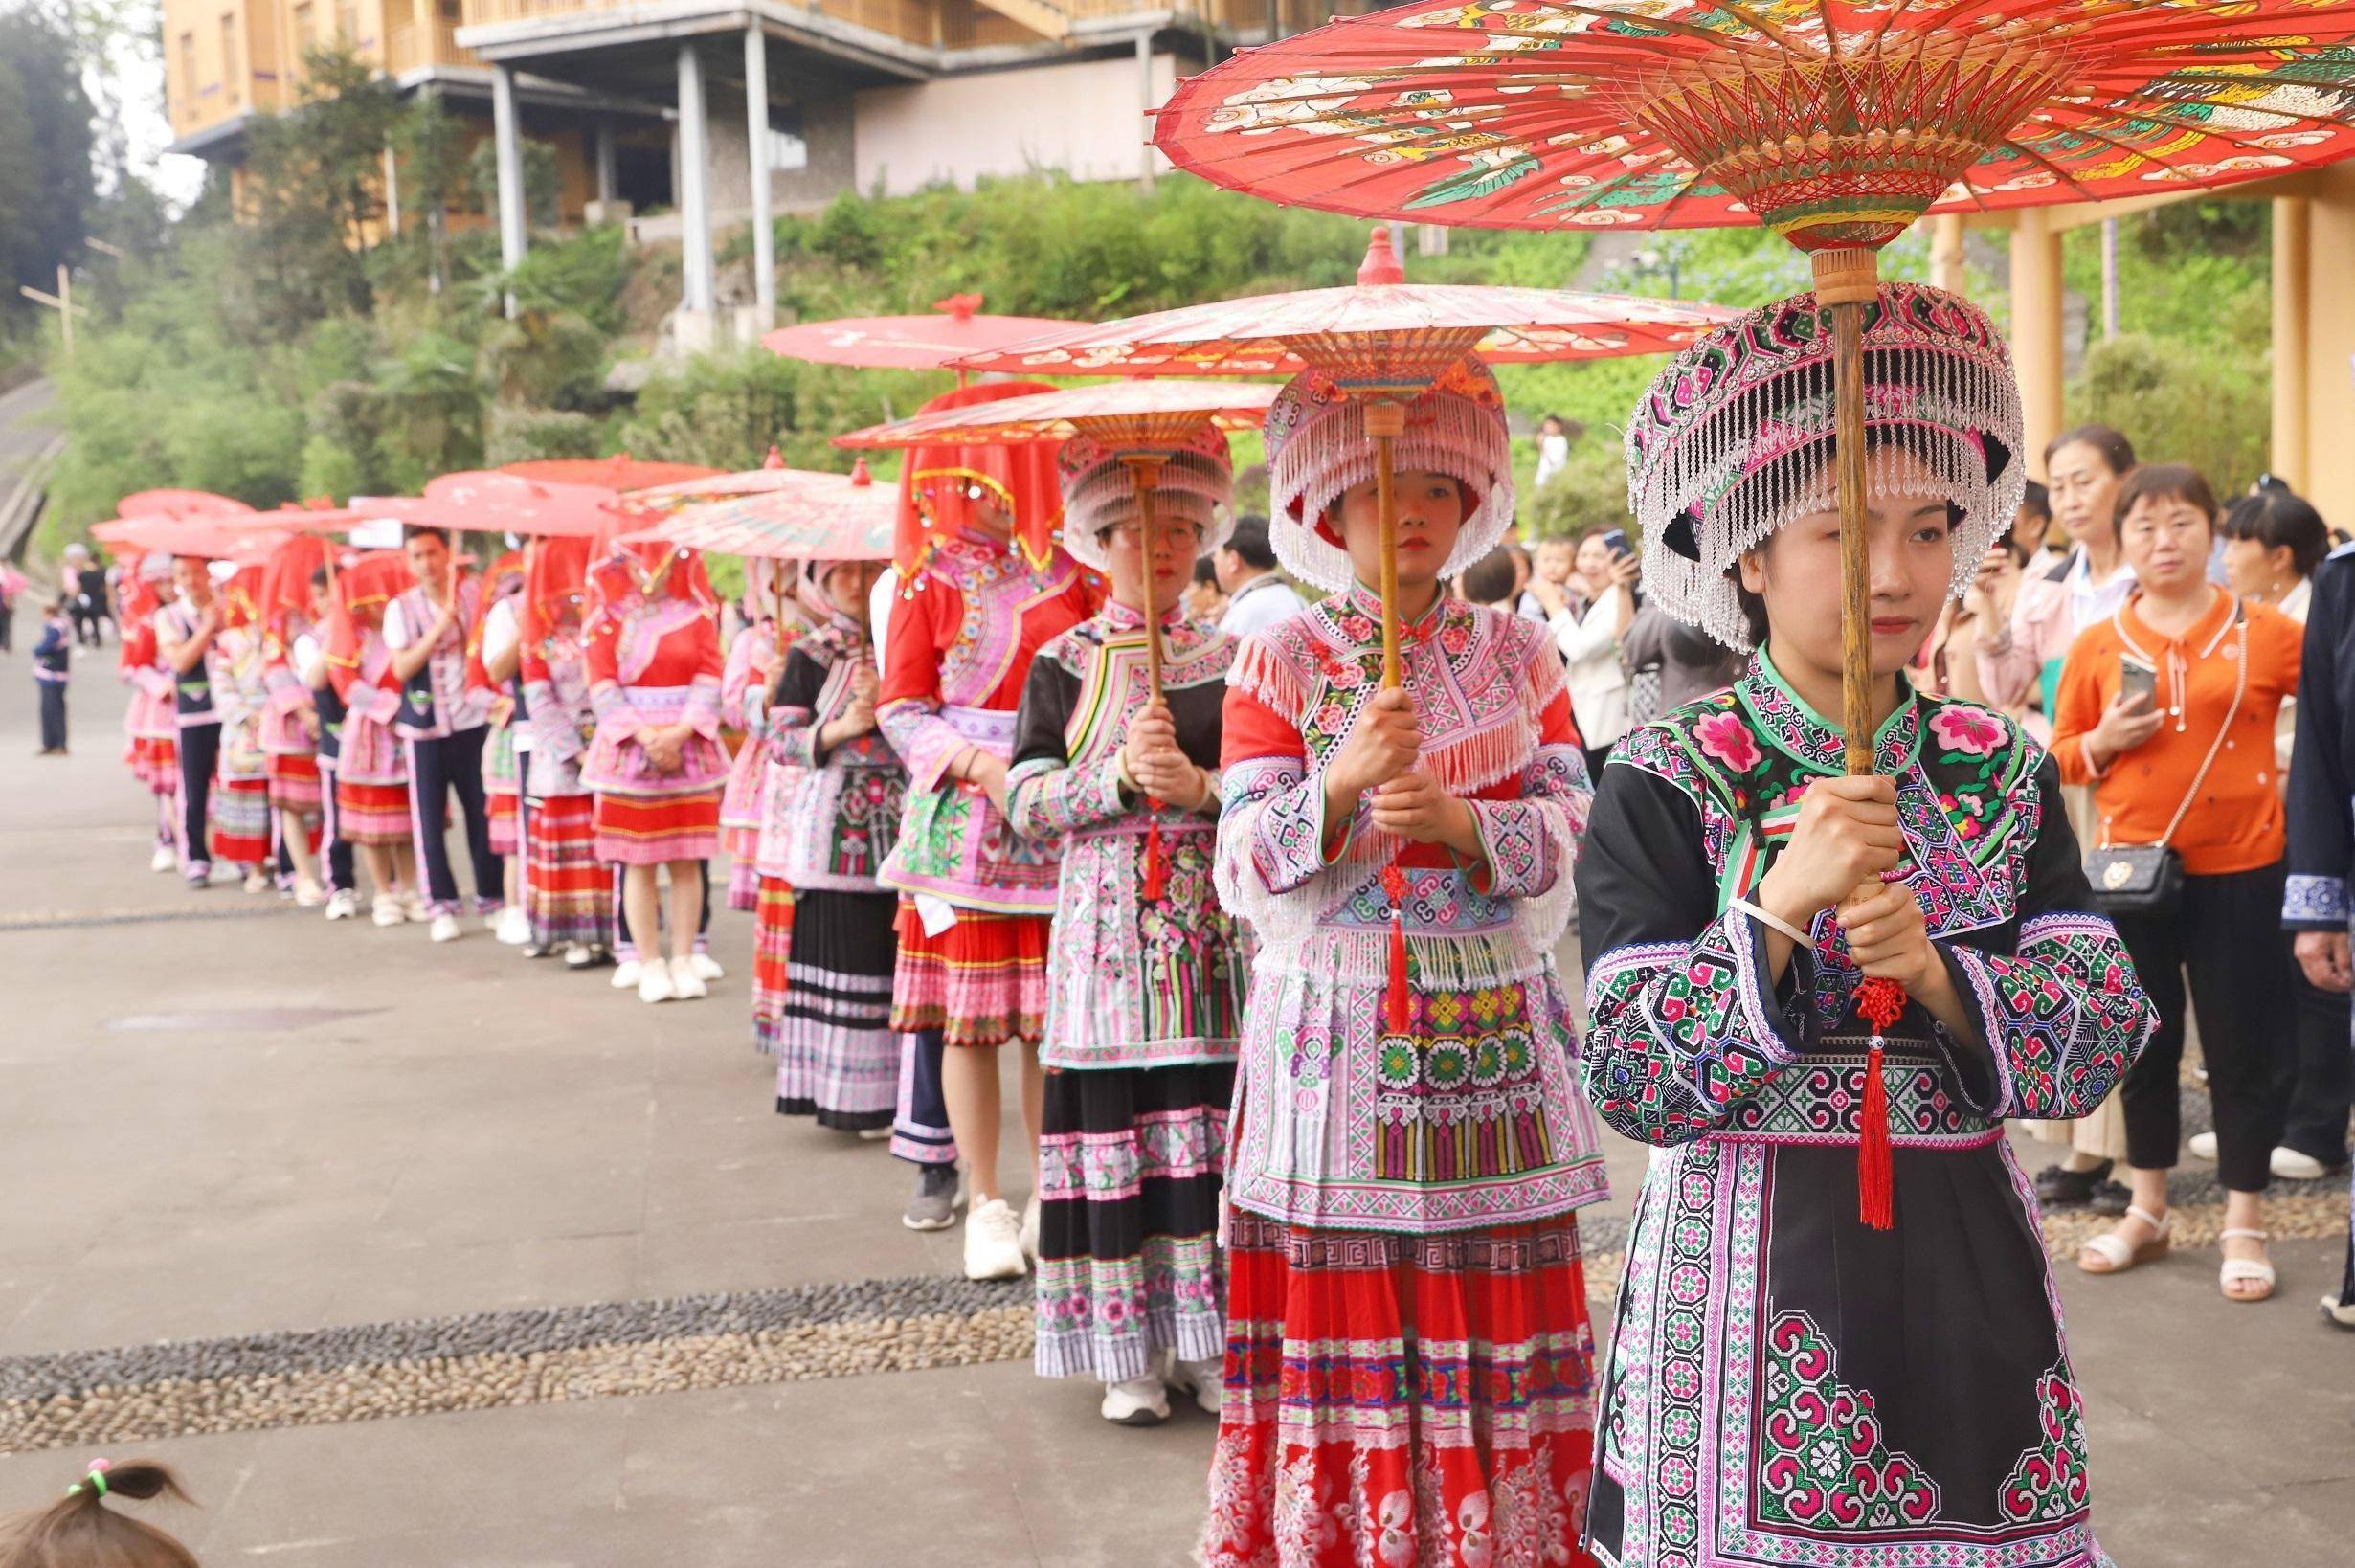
465,1260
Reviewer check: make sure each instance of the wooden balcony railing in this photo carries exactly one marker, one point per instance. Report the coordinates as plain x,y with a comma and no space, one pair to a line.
406,45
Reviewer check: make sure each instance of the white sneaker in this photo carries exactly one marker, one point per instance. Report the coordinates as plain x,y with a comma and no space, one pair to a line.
413,908
626,975
1204,1380
2290,1165
654,983
257,882
165,858
308,894
387,911
1030,1228
511,927
1140,1401
2202,1146
686,983
444,928
706,966
993,1242
576,955
343,904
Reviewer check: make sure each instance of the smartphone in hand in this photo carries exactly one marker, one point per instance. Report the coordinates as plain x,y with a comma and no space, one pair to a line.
2135,679
1616,541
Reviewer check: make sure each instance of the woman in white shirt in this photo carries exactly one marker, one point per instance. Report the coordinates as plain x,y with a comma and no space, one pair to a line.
1589,642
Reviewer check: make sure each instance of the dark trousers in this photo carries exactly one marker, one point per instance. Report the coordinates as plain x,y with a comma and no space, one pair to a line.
438,769
200,750
334,849
920,1130
8,622
2227,935
2325,1083
53,716
88,618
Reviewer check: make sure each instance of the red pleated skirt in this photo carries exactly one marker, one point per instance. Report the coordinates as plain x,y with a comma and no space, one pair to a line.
980,982
773,951
240,826
502,811
294,782
658,829
155,762
1431,1396
372,813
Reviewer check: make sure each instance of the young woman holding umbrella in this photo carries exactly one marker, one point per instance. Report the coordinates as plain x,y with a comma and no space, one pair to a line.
567,892
444,724
1410,1148
1835,1251
1146,969
371,772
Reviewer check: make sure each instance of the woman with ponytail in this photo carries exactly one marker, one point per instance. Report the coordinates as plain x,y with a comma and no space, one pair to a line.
80,1531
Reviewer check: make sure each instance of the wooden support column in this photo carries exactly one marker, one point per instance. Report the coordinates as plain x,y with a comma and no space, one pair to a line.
2292,324
2036,327
1946,261
756,133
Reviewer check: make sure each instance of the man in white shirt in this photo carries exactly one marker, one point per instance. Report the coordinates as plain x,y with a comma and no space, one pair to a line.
1256,597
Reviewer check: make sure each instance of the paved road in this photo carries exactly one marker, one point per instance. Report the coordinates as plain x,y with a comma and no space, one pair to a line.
549,1284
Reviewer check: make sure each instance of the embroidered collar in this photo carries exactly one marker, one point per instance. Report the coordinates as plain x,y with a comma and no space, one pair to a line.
1362,600
1807,737
1120,617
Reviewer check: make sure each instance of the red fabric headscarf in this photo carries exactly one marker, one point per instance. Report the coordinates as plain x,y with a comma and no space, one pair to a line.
557,584
286,588
938,484
241,598
375,578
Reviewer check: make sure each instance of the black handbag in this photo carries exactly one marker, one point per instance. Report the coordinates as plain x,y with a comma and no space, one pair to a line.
2147,880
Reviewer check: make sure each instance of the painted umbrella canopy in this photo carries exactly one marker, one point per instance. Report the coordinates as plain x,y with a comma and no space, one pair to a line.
955,328
797,514
1833,123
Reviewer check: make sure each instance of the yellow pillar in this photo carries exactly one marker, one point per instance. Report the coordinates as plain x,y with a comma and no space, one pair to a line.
1946,269
2037,329
2293,318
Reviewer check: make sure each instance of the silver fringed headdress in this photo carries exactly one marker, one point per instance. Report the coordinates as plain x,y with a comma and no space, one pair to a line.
1196,484
1735,438
1317,448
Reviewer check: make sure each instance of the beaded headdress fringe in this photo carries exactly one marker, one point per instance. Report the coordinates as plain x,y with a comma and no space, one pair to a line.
1735,439
1099,491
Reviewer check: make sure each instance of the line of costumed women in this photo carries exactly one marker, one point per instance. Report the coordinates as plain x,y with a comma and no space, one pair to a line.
984,586
1837,1341
1409,1357
1145,971
656,764
371,769
568,891
834,800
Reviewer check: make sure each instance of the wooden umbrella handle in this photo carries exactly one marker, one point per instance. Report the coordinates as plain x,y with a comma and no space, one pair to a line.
1385,421
1145,473
1848,281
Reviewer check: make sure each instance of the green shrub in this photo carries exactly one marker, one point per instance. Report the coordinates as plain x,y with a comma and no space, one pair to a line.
2180,402
519,435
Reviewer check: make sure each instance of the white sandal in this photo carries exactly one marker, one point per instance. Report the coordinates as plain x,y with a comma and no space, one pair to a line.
2240,1270
2120,1255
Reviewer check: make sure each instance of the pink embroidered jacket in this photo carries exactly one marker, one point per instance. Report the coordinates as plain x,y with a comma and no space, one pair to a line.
651,665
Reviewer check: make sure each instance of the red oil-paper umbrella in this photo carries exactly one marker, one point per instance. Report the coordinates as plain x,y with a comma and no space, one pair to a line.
790,514
1833,123
955,328
1382,340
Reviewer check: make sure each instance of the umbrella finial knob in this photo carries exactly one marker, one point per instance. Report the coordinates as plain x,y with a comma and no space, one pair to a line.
859,474
774,459
959,305
1381,262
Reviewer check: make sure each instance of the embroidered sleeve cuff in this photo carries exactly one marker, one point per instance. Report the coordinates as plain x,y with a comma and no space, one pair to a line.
552,733
2315,904
702,708
791,735
925,741
1288,847
613,710
1519,853
1776,1021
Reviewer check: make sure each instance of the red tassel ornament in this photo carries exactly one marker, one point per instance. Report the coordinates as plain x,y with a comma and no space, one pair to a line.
1393,884
1155,857
1880,1003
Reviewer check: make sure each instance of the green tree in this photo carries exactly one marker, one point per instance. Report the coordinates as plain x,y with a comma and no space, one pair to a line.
46,141
430,144
314,194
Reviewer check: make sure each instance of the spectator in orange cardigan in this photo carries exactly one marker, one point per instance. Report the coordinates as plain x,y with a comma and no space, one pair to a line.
2193,767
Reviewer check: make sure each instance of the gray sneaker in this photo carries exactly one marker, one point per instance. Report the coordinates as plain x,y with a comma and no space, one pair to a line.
933,1205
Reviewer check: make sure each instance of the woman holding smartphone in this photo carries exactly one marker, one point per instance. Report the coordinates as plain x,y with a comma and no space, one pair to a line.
1606,571
2166,708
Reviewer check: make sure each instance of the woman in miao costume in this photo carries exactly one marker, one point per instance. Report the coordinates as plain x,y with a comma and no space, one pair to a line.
754,660
290,718
494,676
1145,973
322,716
568,891
838,790
655,763
1837,1340
150,726
986,589
242,833
371,765
1410,1365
